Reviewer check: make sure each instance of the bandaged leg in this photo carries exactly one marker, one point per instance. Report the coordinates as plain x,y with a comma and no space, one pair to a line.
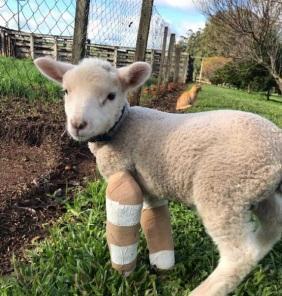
155,222
124,201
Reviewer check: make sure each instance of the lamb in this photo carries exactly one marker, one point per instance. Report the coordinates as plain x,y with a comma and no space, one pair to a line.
227,164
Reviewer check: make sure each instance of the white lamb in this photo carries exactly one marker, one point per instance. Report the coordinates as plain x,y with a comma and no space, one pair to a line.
228,164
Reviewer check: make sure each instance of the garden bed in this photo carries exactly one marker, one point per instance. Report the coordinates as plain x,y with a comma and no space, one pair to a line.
39,163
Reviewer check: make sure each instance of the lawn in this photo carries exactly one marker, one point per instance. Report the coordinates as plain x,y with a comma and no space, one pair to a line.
74,260
20,78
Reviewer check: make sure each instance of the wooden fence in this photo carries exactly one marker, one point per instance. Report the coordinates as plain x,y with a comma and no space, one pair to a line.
30,45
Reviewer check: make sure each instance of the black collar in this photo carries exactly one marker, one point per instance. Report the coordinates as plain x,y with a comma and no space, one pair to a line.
108,135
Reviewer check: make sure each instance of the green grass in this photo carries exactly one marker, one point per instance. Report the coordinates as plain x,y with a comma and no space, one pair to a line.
74,260
212,97
20,78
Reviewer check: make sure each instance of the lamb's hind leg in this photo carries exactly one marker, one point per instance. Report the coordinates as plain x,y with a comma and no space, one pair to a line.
239,245
269,214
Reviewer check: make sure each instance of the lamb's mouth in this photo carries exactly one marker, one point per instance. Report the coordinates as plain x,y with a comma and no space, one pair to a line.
79,138
90,138
84,139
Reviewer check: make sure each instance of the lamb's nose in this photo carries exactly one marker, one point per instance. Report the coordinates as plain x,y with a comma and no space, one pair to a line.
78,124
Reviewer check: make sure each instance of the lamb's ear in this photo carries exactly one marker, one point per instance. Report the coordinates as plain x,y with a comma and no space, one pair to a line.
134,75
52,69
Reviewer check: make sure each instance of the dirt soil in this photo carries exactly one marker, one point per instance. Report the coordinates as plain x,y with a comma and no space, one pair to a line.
38,163
165,102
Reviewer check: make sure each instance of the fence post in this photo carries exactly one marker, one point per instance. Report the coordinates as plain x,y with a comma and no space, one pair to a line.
190,69
162,58
31,45
55,48
115,61
169,58
176,64
3,47
152,58
201,70
80,30
88,43
142,39
185,67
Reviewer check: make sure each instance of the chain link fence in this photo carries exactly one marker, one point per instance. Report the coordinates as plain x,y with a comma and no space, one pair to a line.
36,16
33,28
111,22
116,23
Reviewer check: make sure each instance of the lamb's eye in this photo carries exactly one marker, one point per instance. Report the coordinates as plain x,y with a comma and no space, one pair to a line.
111,96
65,91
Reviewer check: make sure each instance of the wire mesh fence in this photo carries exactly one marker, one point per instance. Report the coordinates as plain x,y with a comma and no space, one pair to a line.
33,28
114,22
37,16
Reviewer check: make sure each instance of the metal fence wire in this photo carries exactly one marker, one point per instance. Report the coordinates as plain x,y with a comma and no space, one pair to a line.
116,23
37,16
111,22
33,28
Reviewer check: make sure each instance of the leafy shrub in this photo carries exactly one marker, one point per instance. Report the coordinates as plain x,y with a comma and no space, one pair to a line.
244,75
212,64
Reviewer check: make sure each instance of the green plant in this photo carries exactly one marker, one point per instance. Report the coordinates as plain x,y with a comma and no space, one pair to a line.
244,75
20,78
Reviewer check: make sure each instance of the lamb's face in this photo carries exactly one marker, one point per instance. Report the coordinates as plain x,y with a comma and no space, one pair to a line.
95,92
94,99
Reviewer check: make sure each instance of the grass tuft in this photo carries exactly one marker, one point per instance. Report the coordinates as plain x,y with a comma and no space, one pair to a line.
20,78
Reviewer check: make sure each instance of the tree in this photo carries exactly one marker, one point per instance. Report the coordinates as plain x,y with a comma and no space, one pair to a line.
244,75
255,30
212,64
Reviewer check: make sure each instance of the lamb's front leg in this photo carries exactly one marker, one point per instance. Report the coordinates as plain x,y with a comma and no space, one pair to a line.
124,201
155,222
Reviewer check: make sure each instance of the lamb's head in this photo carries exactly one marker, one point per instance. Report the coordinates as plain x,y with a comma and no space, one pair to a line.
95,92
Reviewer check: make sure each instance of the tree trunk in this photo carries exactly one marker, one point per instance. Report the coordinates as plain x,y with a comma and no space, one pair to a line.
279,82
268,94
276,77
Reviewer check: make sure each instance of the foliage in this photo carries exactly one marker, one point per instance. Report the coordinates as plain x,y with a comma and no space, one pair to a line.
244,75
74,260
213,64
249,29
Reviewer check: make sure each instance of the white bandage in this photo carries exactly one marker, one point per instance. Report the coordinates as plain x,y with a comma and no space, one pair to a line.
163,259
123,215
123,255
